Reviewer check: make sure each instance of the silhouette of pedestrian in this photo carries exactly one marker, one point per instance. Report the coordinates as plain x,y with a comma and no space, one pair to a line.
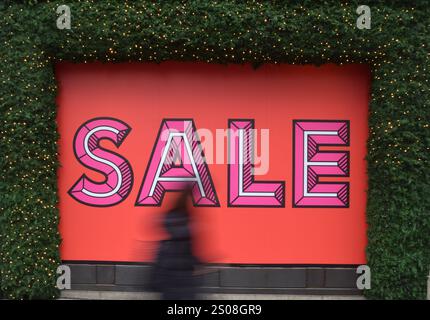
175,262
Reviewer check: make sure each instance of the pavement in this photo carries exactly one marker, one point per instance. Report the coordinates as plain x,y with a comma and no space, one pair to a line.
117,295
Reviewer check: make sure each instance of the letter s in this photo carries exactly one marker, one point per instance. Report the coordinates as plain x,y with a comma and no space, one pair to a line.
116,169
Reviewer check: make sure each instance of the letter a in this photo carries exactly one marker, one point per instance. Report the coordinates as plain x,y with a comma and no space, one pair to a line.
177,160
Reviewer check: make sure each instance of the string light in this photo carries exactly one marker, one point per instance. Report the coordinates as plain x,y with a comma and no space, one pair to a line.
215,32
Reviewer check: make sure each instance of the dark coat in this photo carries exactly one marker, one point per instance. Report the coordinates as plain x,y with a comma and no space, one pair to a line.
175,262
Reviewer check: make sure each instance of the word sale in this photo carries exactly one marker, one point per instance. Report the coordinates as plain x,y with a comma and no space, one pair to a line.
178,159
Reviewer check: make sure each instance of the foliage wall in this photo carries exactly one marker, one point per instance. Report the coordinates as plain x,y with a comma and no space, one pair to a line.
295,32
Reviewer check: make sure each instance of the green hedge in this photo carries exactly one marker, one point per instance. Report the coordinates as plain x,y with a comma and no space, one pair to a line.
297,32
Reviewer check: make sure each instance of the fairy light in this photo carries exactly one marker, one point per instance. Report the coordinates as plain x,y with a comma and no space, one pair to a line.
214,32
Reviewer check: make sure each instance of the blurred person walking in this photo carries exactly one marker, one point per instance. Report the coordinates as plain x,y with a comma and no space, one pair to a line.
175,263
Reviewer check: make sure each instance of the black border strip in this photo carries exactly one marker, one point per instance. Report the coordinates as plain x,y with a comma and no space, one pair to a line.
262,265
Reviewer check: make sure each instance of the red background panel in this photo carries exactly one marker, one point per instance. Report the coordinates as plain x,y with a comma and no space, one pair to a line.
274,95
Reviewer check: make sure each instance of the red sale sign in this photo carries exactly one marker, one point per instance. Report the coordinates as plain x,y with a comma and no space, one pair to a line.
275,158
